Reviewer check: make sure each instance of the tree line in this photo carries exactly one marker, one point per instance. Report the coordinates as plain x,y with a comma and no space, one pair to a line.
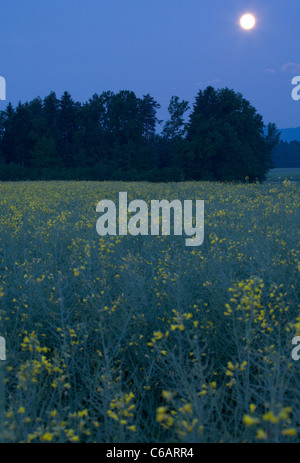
287,154
114,136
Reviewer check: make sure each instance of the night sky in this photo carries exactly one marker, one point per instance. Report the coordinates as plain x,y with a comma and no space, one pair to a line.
161,47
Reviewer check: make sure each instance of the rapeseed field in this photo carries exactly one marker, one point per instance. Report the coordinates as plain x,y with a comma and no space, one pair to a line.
139,338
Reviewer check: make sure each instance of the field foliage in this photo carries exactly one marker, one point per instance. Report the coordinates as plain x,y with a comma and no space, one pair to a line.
142,339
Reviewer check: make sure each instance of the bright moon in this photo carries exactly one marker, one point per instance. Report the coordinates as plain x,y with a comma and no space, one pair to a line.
247,21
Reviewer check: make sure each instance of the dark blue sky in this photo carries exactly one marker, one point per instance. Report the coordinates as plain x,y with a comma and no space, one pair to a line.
161,47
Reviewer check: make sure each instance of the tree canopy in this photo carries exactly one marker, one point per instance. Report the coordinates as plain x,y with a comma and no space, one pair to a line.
225,138
115,136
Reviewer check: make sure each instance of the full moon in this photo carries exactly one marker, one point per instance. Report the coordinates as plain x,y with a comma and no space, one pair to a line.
247,21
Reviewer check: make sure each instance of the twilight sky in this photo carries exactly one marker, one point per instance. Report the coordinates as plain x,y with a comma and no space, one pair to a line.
161,47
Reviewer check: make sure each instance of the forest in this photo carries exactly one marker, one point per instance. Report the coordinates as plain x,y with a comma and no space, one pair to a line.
117,136
287,154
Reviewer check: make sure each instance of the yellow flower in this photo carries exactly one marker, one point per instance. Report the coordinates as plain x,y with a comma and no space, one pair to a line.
284,413
168,395
74,438
31,437
47,437
243,366
131,428
162,409
250,420
270,417
261,434
188,408
21,410
157,335
252,408
112,415
161,414
230,366
289,432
